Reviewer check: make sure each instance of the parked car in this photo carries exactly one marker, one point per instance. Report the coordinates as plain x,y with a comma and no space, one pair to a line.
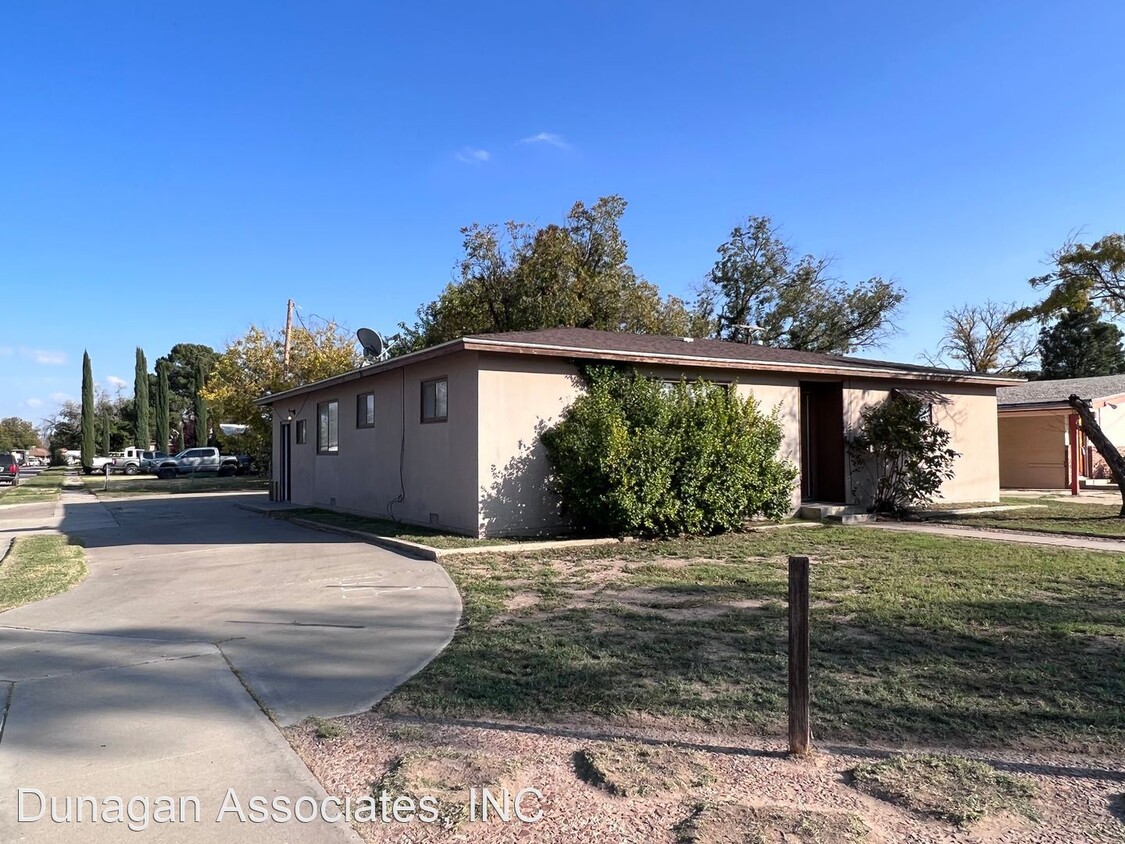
9,469
197,461
149,460
127,461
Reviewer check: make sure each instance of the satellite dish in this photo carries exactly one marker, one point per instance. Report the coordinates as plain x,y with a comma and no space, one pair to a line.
373,345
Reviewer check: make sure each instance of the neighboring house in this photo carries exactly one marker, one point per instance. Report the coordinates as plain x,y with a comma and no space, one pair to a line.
449,436
1042,445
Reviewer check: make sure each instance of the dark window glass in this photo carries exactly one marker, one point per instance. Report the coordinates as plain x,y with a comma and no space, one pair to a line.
365,410
328,427
302,432
435,400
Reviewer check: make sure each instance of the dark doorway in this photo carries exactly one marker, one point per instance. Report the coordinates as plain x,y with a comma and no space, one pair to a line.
822,441
285,470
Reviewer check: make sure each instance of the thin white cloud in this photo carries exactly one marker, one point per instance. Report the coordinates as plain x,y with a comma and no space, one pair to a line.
115,382
59,398
549,138
48,357
6,351
472,155
33,402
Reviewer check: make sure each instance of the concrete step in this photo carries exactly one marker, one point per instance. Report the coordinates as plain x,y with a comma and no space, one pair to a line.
820,512
850,518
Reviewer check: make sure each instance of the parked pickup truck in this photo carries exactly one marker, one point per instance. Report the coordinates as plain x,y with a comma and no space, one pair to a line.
97,464
196,461
127,461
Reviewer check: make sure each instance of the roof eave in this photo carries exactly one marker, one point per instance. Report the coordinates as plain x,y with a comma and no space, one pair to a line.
363,371
481,344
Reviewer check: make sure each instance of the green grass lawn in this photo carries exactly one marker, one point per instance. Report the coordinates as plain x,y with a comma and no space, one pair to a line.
42,487
393,530
147,484
1079,518
37,567
915,639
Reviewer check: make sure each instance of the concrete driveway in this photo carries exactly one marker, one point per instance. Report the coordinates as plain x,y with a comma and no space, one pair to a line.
147,679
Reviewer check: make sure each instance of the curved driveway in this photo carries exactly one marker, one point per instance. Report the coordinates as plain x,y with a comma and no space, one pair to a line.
124,685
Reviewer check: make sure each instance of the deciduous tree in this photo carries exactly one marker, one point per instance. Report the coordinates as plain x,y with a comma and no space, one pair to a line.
984,338
792,301
252,366
16,433
522,278
1081,276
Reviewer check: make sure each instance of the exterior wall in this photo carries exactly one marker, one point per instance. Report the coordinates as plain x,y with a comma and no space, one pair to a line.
518,398
970,418
438,460
483,471
1033,450
521,396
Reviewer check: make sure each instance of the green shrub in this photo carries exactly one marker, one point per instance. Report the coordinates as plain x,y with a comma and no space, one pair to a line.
639,457
900,458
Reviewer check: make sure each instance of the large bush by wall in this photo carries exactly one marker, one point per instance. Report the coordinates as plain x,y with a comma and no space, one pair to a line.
635,456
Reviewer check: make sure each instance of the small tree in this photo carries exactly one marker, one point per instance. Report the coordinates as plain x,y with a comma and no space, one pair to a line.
635,456
903,453
140,401
88,420
162,407
200,407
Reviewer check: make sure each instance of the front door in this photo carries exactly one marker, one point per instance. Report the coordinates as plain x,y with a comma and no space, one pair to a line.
822,441
285,470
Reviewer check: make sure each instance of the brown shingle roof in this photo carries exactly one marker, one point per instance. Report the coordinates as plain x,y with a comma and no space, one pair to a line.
648,344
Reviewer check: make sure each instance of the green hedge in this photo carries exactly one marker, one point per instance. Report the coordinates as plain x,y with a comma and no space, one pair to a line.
633,456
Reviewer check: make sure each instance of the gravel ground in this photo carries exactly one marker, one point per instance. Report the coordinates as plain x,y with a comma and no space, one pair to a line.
1078,798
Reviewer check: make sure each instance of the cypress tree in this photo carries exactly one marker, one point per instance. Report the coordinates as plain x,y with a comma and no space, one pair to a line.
87,427
140,401
162,409
105,433
200,408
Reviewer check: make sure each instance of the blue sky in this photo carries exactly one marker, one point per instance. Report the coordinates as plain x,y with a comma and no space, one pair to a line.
176,172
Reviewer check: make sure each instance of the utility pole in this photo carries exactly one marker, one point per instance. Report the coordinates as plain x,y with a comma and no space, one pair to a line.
288,331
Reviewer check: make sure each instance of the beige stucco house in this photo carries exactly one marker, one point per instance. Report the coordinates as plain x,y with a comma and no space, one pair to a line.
1042,445
449,436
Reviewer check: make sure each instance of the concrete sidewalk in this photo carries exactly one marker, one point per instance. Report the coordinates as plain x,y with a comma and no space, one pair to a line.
1017,537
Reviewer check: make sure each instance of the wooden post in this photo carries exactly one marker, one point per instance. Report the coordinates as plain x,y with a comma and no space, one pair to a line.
800,732
1072,433
288,331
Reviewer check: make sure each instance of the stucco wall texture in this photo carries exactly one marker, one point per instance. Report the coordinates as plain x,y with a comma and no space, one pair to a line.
483,471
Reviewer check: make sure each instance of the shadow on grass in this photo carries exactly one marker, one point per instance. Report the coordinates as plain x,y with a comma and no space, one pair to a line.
1019,673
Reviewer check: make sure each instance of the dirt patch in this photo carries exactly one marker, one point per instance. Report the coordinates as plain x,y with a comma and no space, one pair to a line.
949,788
732,823
629,769
445,775
1078,796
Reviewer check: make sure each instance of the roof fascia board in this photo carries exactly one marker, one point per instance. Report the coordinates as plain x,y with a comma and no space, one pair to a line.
730,363
364,371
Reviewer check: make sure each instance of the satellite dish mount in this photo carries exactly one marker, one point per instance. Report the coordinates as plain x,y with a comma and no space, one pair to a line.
375,348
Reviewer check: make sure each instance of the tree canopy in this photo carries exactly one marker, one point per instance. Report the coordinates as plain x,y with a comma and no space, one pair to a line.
792,301
1080,345
253,365
984,338
183,362
575,274
1081,276
17,433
